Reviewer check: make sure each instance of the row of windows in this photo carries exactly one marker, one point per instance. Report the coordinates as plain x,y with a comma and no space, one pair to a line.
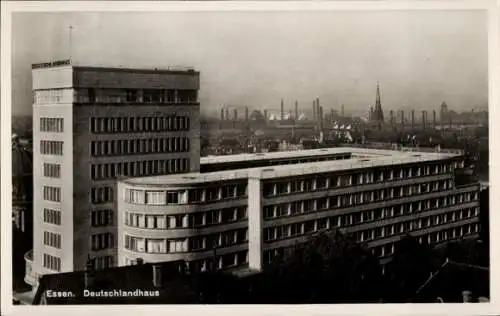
52,216
139,168
52,170
225,261
198,219
52,239
93,95
139,124
102,218
51,147
281,232
139,146
388,249
101,195
323,182
209,194
51,262
50,124
102,241
52,194
349,200
196,243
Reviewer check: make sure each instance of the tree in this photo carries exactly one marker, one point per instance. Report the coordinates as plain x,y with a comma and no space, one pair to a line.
412,264
330,268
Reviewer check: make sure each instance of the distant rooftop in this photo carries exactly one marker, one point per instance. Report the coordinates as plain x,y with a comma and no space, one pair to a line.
362,158
67,62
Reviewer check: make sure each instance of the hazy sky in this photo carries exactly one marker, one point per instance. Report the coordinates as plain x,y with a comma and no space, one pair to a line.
420,58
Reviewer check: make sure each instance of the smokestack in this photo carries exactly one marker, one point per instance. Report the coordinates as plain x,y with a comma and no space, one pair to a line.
391,117
434,122
331,114
157,277
246,113
282,110
296,110
402,119
222,114
235,117
321,118
342,113
424,119
412,119
227,114
314,110
265,115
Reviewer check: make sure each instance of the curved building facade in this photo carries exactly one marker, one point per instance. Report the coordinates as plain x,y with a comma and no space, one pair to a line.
246,217
194,218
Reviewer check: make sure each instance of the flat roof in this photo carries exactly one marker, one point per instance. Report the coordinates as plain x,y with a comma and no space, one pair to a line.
282,171
69,63
297,154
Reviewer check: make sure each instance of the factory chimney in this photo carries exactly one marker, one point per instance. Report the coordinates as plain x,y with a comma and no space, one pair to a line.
235,116
296,110
424,119
320,118
402,119
227,114
434,123
412,119
282,110
222,114
265,115
314,111
391,117
246,113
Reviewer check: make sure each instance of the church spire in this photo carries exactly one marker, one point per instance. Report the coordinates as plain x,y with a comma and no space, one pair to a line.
379,114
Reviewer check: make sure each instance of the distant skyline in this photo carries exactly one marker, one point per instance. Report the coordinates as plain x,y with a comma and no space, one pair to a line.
420,58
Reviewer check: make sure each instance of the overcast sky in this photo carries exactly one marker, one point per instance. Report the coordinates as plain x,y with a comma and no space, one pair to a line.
420,58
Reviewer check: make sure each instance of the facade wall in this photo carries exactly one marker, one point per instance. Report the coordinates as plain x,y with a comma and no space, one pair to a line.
60,107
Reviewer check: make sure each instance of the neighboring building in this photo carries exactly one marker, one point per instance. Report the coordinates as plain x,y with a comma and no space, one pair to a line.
92,125
22,184
248,216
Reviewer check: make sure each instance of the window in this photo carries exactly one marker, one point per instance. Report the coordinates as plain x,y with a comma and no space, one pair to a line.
102,241
51,170
177,245
52,216
52,239
49,124
102,218
156,246
101,195
172,197
134,196
54,148
51,262
156,197
103,262
52,194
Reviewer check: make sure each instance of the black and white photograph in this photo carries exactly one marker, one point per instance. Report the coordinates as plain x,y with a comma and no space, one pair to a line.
270,156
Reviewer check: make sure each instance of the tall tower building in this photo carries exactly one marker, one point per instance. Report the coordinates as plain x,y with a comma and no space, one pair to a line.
91,126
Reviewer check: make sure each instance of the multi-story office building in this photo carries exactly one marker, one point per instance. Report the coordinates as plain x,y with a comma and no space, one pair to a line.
245,217
92,125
